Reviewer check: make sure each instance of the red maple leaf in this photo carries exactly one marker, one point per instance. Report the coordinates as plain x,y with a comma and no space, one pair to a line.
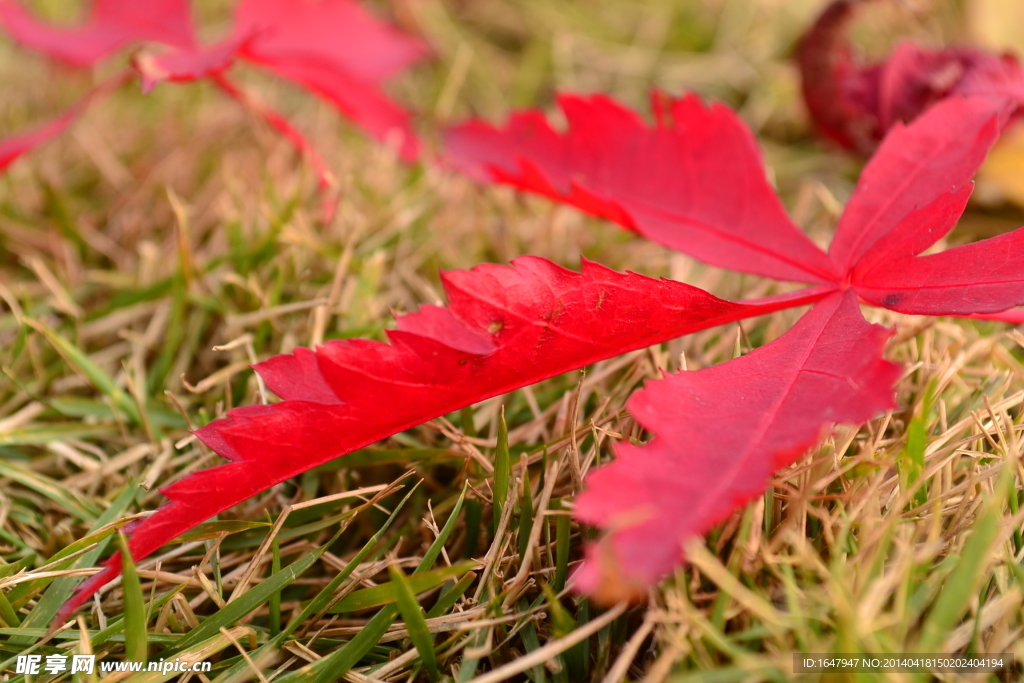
909,196
855,105
510,327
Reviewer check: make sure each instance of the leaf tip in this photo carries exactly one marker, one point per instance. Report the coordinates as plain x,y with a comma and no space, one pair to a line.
602,578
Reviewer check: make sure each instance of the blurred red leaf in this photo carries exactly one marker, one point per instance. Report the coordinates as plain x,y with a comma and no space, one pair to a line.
719,434
335,36
855,105
12,148
334,48
110,25
186,65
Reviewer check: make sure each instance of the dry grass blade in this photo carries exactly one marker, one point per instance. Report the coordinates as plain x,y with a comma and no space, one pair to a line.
552,649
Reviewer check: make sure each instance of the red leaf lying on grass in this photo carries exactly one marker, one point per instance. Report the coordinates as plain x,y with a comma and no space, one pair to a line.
855,105
746,418
333,48
510,327
910,195
504,328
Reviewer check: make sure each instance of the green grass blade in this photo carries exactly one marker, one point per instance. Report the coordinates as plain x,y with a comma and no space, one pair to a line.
466,418
44,434
275,598
434,550
61,588
22,592
176,329
136,648
448,600
474,516
387,593
7,613
525,512
911,462
502,468
116,627
76,504
531,643
415,622
563,536
960,588
234,611
332,667
73,406
323,599
217,528
92,372
199,652
15,567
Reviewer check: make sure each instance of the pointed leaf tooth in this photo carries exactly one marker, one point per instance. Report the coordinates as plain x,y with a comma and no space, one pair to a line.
296,375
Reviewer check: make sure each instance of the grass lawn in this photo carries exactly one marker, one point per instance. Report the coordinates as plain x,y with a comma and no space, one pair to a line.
169,240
